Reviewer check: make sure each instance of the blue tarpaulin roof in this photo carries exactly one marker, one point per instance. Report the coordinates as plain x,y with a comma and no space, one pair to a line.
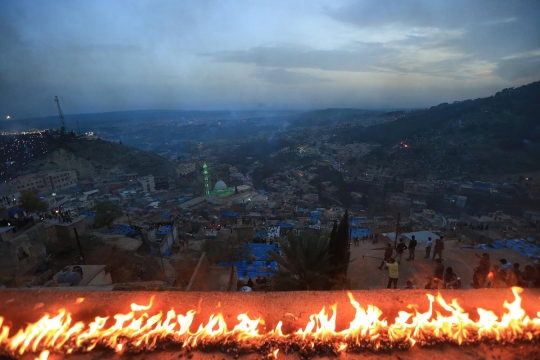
229,214
285,225
166,229
264,192
316,213
360,232
258,267
88,213
532,251
14,212
122,229
356,221
183,199
165,214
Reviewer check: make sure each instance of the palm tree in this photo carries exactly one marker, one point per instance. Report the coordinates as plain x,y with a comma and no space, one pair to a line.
304,263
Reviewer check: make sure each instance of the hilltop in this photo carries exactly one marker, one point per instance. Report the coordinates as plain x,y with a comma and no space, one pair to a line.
331,116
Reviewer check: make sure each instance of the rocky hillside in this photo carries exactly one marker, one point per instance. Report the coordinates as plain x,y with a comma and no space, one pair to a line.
103,158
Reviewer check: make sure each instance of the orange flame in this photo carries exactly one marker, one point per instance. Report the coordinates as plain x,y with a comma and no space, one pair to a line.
135,331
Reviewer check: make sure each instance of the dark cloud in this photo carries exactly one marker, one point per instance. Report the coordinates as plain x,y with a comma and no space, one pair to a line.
358,57
519,68
483,30
113,55
430,13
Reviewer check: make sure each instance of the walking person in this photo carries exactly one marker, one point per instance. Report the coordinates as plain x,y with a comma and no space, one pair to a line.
412,247
439,247
429,243
393,273
400,249
387,255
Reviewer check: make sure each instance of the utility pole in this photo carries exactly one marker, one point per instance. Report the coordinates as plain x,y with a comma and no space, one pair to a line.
78,129
397,230
79,244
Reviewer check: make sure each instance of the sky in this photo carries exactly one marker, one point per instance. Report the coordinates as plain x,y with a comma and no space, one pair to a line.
115,55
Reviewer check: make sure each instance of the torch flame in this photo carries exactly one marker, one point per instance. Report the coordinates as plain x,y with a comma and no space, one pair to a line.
136,331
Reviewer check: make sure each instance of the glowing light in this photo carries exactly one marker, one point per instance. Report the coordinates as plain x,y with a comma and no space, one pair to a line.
8,117
142,330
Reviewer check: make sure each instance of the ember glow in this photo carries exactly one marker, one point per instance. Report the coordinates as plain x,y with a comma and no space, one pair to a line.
141,329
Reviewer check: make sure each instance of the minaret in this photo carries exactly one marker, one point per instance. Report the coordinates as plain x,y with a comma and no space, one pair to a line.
206,177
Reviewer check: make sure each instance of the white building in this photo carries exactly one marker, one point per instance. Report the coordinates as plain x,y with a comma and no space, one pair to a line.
148,183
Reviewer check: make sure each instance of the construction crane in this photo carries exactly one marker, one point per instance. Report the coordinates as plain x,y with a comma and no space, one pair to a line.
63,129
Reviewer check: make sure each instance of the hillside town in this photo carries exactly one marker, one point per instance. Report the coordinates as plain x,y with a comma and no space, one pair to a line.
211,226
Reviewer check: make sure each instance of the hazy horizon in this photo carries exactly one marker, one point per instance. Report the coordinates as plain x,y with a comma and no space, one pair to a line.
110,56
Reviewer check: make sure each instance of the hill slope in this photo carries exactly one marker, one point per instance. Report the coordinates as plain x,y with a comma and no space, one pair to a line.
103,158
499,134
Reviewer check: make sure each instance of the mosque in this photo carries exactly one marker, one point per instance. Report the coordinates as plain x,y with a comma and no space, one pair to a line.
220,188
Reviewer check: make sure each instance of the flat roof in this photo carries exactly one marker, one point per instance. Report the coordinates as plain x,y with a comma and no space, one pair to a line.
6,229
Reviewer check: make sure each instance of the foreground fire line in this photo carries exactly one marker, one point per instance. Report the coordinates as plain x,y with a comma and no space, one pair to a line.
138,331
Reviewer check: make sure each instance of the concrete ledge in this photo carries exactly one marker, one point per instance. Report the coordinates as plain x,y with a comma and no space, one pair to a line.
18,306
292,308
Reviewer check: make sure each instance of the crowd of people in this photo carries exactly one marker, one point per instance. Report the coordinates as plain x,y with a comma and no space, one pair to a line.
374,238
486,274
63,216
504,274
448,278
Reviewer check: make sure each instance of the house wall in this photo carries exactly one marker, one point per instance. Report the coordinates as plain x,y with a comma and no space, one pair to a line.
101,278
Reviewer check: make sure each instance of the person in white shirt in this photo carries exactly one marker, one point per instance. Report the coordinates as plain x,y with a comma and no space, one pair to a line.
506,266
429,243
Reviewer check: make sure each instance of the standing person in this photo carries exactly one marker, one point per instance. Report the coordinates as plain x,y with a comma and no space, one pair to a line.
505,266
428,248
387,255
439,247
438,273
493,278
481,271
400,248
393,272
412,247
513,276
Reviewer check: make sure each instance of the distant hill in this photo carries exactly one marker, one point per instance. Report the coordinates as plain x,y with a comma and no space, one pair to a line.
92,121
331,117
499,134
98,158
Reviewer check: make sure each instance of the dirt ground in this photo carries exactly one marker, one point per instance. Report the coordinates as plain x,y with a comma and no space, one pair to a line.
364,273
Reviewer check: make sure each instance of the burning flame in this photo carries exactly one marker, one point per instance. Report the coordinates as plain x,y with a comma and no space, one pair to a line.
138,330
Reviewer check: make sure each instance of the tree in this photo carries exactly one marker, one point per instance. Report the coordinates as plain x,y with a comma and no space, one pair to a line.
106,213
304,263
338,248
333,244
343,241
31,202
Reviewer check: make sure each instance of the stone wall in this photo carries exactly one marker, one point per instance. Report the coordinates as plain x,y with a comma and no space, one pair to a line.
24,251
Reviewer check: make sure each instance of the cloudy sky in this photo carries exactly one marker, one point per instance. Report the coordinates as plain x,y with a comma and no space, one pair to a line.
106,55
